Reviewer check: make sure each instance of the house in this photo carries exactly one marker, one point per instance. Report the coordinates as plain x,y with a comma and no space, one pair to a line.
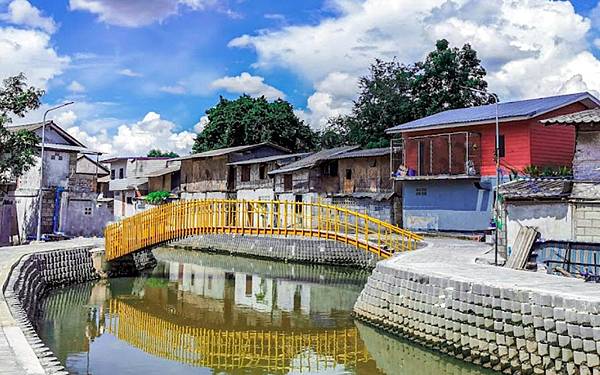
252,179
68,193
311,178
365,184
209,174
166,179
448,171
129,179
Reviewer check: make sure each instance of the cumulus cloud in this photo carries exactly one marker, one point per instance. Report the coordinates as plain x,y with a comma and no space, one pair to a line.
134,138
29,51
246,83
76,87
530,48
200,125
136,13
129,73
21,12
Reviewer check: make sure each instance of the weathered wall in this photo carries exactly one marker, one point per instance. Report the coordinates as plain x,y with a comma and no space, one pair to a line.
379,209
450,205
587,156
82,215
8,217
256,194
368,174
204,175
553,220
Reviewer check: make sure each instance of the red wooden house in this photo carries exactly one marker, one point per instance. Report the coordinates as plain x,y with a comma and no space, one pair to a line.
449,168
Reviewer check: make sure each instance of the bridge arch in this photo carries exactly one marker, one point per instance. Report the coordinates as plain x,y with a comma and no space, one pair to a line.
185,218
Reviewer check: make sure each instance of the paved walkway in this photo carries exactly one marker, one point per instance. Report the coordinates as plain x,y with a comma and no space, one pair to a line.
455,259
16,356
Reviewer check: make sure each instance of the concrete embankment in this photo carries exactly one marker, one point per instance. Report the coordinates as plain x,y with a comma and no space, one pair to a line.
28,273
507,320
290,248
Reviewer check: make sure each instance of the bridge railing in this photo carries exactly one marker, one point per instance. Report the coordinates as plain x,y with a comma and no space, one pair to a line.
255,217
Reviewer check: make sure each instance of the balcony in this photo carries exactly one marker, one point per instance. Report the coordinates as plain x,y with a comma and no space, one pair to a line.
441,156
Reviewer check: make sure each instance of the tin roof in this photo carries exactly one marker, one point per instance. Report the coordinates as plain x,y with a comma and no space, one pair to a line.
164,171
271,158
35,126
229,150
373,152
313,159
536,188
590,116
507,111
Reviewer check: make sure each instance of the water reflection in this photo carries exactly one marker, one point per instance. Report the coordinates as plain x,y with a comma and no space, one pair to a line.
205,313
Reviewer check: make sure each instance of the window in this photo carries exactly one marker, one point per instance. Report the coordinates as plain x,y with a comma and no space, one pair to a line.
87,211
245,173
373,163
421,191
207,174
248,285
501,146
287,182
112,174
121,173
330,169
348,174
262,171
129,200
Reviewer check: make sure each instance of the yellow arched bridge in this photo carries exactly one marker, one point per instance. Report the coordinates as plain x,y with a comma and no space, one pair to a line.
255,217
272,351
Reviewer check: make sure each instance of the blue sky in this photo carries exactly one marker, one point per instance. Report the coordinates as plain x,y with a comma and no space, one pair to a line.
143,72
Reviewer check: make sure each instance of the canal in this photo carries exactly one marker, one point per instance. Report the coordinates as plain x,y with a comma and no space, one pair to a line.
203,313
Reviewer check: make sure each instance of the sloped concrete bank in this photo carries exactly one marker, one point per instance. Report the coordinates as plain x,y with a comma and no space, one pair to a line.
290,248
510,321
35,274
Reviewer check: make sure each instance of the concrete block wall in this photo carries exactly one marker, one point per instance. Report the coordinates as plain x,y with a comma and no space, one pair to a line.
508,330
30,280
587,222
291,248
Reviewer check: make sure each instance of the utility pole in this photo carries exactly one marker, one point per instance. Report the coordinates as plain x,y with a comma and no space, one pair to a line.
41,187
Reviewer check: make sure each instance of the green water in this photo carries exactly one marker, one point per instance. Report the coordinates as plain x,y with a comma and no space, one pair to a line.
199,313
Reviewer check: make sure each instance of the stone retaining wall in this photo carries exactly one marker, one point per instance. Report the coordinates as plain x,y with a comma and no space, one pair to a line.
290,248
33,277
508,329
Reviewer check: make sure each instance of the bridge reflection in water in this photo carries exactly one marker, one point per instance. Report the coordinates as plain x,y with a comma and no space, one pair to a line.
212,313
276,351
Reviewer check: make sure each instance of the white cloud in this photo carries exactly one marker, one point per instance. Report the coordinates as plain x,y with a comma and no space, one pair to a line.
21,12
30,52
529,48
136,13
200,125
129,73
133,138
246,83
76,87
175,89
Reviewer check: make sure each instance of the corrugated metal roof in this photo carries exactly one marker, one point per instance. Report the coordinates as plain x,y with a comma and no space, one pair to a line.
117,158
164,171
380,196
61,147
52,124
229,150
313,159
536,188
271,158
589,116
486,113
373,152
586,190
127,183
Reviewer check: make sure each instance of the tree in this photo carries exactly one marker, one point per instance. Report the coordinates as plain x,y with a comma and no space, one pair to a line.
393,93
17,149
248,120
156,153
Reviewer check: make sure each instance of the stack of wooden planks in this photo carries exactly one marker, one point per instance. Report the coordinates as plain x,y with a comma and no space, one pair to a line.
522,248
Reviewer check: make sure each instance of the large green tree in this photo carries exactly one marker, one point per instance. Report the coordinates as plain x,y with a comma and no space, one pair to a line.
248,120
393,93
17,149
